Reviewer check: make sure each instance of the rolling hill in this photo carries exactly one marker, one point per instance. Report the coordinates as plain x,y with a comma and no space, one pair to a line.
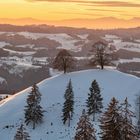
112,83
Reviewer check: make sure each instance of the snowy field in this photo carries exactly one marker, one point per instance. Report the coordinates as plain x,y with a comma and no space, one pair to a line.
120,44
21,61
2,44
66,41
20,53
2,80
69,42
129,60
20,65
112,83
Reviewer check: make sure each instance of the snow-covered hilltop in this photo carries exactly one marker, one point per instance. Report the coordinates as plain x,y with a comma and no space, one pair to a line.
112,83
29,50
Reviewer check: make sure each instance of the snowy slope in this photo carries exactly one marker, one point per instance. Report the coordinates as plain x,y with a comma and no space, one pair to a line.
2,44
112,83
2,80
66,41
120,44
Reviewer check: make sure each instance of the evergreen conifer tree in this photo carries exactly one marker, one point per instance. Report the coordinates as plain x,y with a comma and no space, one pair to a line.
33,110
21,134
94,101
110,122
68,107
138,117
85,130
128,130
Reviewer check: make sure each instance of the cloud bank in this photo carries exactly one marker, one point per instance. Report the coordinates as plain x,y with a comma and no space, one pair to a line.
94,3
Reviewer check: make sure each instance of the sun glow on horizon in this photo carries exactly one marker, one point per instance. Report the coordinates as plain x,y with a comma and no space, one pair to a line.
59,10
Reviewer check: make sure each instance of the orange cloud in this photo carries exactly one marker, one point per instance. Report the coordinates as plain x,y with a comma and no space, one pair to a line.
95,3
103,10
71,13
116,4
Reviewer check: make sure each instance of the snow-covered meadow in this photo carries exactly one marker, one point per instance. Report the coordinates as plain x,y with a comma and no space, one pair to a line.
66,41
112,83
120,44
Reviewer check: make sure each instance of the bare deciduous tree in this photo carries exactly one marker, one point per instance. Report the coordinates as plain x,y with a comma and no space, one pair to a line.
63,61
101,54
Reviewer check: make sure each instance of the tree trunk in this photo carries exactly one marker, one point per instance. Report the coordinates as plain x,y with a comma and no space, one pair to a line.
102,66
65,68
93,116
33,125
69,121
101,62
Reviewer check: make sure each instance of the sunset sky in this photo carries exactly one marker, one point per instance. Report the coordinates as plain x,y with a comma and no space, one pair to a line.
52,10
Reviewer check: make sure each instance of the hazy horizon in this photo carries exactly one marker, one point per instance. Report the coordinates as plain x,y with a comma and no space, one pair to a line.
74,13
99,23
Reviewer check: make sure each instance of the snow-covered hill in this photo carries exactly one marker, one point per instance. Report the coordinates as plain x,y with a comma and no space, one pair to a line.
27,51
112,83
3,83
116,41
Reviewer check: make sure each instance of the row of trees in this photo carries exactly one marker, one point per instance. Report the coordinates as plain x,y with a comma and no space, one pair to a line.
94,102
34,111
115,123
102,56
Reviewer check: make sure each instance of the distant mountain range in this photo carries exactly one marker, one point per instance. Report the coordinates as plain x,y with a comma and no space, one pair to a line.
100,23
